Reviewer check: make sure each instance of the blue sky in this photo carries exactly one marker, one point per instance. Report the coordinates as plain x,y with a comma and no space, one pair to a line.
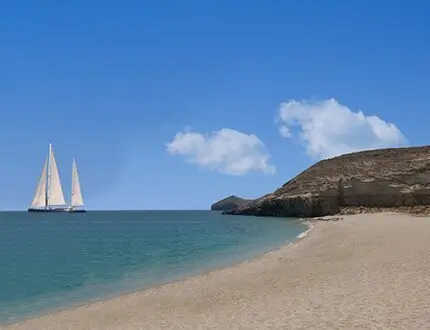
260,90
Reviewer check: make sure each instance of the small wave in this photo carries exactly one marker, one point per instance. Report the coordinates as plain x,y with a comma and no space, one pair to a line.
307,231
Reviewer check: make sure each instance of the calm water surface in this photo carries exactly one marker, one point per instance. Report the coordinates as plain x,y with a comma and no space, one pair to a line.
52,260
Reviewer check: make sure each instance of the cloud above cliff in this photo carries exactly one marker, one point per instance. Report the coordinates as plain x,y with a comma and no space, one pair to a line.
226,151
328,128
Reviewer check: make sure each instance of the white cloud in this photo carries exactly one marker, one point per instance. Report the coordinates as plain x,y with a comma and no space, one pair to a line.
329,128
227,151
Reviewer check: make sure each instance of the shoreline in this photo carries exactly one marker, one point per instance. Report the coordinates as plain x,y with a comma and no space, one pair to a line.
367,270
49,312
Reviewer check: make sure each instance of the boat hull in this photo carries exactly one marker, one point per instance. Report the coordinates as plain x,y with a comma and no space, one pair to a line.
56,210
47,210
76,211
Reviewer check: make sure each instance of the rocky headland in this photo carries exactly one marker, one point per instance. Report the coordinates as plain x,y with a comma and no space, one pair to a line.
395,179
230,203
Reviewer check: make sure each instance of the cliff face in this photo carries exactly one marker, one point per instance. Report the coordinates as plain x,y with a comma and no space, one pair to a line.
384,178
230,203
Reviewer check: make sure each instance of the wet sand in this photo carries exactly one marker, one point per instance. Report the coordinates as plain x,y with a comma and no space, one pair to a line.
368,271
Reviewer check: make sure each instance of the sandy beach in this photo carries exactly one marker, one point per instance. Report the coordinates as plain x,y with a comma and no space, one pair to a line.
367,271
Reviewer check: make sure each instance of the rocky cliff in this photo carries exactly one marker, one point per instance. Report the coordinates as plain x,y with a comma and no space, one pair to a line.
230,203
384,178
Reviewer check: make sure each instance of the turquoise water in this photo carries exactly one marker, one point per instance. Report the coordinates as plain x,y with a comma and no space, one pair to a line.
50,261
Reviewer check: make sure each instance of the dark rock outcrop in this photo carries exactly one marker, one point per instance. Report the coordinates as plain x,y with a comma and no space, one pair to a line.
230,203
384,178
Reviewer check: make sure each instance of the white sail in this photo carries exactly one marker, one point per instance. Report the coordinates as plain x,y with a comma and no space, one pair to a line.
76,199
39,199
55,192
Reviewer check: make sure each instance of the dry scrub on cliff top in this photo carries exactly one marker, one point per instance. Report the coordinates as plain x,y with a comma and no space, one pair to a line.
364,165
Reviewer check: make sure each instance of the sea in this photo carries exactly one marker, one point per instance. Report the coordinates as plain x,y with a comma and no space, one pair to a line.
52,261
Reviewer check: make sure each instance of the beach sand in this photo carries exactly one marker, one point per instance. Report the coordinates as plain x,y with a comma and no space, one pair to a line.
369,271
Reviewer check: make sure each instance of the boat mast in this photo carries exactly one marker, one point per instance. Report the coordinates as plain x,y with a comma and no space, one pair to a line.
72,190
48,177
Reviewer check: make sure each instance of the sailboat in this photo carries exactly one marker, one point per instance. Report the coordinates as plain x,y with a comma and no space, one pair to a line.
76,201
49,195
